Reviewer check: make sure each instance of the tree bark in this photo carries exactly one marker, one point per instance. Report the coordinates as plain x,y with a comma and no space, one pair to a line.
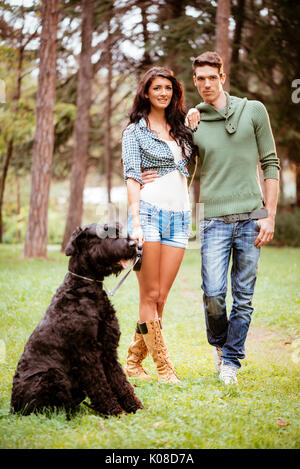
108,112
36,234
239,23
146,60
10,147
7,159
18,207
171,10
298,185
222,36
81,127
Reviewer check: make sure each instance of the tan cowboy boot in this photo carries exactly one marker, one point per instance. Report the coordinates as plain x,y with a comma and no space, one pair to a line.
157,348
137,352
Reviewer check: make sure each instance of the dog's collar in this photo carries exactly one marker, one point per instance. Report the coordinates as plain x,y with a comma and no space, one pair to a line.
85,278
109,292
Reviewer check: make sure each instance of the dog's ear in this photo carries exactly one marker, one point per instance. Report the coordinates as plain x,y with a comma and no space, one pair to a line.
72,245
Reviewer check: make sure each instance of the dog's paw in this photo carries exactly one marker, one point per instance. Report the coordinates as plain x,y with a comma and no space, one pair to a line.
131,405
117,410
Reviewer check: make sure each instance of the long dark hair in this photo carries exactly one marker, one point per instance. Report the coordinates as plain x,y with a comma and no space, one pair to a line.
175,114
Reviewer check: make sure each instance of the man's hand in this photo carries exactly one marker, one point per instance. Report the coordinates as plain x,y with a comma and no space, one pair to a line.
193,118
266,231
148,176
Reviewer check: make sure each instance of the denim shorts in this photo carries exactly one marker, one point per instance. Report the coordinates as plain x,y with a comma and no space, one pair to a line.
167,227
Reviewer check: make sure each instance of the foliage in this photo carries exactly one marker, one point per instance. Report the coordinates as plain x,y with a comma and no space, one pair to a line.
287,228
144,33
200,413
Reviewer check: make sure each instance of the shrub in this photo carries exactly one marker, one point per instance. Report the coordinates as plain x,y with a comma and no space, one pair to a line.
287,228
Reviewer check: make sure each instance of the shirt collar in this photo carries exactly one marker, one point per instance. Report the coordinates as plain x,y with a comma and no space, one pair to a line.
143,125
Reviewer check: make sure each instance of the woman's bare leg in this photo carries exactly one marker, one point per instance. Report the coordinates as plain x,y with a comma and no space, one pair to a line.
160,266
170,260
148,278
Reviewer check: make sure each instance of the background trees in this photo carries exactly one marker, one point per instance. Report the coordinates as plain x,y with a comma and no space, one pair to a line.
102,49
36,235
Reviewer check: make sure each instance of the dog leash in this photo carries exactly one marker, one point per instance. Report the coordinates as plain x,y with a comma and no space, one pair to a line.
109,292
113,291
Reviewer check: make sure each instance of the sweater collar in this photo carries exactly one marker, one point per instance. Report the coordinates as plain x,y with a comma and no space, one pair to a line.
230,114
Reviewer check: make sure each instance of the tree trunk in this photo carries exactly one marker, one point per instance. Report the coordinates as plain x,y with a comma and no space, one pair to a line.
81,127
146,60
8,156
107,140
222,36
10,147
36,234
18,208
171,10
298,185
239,22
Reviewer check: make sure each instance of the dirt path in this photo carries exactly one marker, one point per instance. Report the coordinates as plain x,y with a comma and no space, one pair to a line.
274,344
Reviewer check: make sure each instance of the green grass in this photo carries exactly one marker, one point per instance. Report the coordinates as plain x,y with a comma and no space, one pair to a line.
200,413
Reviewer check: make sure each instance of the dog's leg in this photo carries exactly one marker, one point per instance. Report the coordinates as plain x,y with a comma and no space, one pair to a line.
98,390
44,390
115,375
121,387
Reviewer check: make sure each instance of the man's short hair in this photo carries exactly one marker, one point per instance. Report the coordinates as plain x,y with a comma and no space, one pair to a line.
209,58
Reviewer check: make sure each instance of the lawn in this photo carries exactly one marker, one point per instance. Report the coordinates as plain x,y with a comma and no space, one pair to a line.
200,412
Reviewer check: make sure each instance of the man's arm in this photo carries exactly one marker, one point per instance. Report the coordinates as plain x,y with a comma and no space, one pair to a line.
267,225
270,166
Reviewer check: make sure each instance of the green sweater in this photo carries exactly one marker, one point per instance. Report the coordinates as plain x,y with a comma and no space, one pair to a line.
230,141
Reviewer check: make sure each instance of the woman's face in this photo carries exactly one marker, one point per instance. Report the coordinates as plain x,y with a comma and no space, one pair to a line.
160,93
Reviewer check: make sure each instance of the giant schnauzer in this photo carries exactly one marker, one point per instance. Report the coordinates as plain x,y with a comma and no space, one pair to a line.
72,353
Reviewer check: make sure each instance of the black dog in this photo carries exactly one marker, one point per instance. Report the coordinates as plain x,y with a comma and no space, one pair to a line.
72,353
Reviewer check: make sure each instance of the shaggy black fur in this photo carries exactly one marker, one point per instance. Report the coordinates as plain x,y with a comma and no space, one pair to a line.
72,353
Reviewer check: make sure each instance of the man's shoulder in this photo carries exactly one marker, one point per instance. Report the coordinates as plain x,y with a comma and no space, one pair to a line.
250,103
255,104
257,111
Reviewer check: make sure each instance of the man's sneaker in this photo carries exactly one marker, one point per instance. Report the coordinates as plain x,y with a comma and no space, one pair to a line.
218,358
228,374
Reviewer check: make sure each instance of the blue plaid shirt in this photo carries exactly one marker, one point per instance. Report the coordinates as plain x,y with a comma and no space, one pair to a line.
141,148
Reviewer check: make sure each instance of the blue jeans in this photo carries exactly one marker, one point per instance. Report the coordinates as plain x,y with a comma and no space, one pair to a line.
220,241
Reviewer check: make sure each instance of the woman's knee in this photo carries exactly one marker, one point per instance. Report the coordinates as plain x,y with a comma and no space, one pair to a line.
162,298
150,296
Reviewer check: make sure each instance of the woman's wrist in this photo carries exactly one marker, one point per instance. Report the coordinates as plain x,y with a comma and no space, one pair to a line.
136,222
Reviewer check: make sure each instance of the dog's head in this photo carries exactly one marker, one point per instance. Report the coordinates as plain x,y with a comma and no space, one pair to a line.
98,250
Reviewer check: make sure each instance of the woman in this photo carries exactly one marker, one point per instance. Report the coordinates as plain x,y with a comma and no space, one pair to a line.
156,139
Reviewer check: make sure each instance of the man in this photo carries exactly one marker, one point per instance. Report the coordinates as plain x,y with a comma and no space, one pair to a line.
231,135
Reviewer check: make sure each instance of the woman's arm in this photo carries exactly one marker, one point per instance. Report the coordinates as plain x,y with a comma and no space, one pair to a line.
133,192
133,178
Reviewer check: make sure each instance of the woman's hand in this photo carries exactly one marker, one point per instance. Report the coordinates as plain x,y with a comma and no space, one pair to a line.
193,118
148,176
137,234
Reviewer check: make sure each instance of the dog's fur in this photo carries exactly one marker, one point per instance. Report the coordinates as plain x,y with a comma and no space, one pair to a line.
72,353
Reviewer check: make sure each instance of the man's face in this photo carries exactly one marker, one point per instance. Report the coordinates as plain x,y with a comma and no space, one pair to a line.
209,83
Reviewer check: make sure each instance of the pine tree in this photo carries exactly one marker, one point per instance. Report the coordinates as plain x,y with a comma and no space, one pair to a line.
36,234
